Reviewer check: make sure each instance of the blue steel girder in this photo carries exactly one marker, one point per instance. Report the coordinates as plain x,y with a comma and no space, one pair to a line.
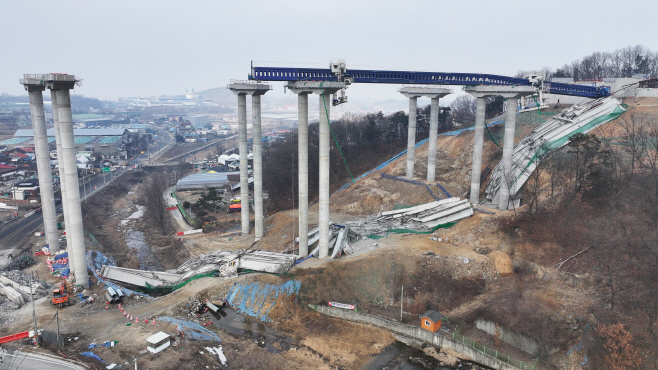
426,78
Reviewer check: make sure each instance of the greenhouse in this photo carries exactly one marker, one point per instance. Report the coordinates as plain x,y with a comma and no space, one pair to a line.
204,180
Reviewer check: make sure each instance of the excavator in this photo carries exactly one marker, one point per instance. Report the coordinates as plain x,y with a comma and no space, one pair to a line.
61,296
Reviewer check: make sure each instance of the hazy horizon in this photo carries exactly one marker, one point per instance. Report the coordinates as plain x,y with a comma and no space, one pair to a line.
153,48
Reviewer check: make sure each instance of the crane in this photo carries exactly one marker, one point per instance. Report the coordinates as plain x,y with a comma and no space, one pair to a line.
338,71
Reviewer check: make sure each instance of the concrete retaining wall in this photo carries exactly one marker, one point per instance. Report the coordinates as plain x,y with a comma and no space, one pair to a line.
646,93
415,332
519,341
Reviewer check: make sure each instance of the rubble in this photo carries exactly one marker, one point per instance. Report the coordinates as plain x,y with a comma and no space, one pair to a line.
226,263
421,218
20,283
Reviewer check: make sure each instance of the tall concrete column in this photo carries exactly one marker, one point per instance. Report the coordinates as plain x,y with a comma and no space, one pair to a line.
411,137
481,92
258,166
244,172
302,145
477,149
434,128
35,93
74,229
508,149
324,89
255,89
325,104
434,93
62,176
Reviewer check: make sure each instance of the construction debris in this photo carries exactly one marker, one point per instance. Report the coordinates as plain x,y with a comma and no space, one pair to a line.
20,283
138,277
422,218
546,138
226,263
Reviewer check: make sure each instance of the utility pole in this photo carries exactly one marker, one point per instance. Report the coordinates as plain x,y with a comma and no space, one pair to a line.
84,187
57,315
34,314
401,302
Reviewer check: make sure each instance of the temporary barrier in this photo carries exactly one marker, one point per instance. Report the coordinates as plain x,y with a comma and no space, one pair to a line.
341,305
11,338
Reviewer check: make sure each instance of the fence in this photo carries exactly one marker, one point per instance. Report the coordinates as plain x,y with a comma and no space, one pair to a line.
480,353
493,353
187,217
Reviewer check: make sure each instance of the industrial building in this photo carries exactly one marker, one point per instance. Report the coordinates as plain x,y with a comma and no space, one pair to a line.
105,140
205,180
198,120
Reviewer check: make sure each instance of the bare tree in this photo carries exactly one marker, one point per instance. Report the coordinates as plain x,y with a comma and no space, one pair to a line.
463,109
156,205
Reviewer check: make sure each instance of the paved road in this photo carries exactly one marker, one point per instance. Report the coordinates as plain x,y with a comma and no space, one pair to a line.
14,360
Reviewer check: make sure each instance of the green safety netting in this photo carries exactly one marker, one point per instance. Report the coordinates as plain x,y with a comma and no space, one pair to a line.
556,144
408,231
166,289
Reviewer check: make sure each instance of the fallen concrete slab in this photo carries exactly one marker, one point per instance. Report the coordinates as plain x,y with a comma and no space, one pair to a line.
12,294
139,277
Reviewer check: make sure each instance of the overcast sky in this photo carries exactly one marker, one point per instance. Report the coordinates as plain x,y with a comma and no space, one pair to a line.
146,48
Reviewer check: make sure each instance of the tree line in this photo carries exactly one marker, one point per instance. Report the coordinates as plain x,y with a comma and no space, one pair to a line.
598,196
624,62
358,144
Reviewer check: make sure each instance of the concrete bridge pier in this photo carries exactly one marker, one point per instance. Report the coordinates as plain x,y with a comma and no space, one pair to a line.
324,89
413,93
302,163
60,84
62,176
255,89
481,93
35,86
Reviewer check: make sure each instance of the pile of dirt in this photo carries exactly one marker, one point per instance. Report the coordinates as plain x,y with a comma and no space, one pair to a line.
503,262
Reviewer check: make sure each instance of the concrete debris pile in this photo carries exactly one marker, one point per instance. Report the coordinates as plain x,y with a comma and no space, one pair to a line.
340,237
205,263
138,277
421,218
16,287
228,263
225,263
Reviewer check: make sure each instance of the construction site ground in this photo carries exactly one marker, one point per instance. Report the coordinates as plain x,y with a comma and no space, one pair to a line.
472,269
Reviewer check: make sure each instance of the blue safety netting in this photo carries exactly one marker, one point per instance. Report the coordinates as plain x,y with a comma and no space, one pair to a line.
257,300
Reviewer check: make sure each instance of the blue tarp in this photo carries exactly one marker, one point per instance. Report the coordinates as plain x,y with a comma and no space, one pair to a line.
92,355
62,255
191,329
106,344
57,266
